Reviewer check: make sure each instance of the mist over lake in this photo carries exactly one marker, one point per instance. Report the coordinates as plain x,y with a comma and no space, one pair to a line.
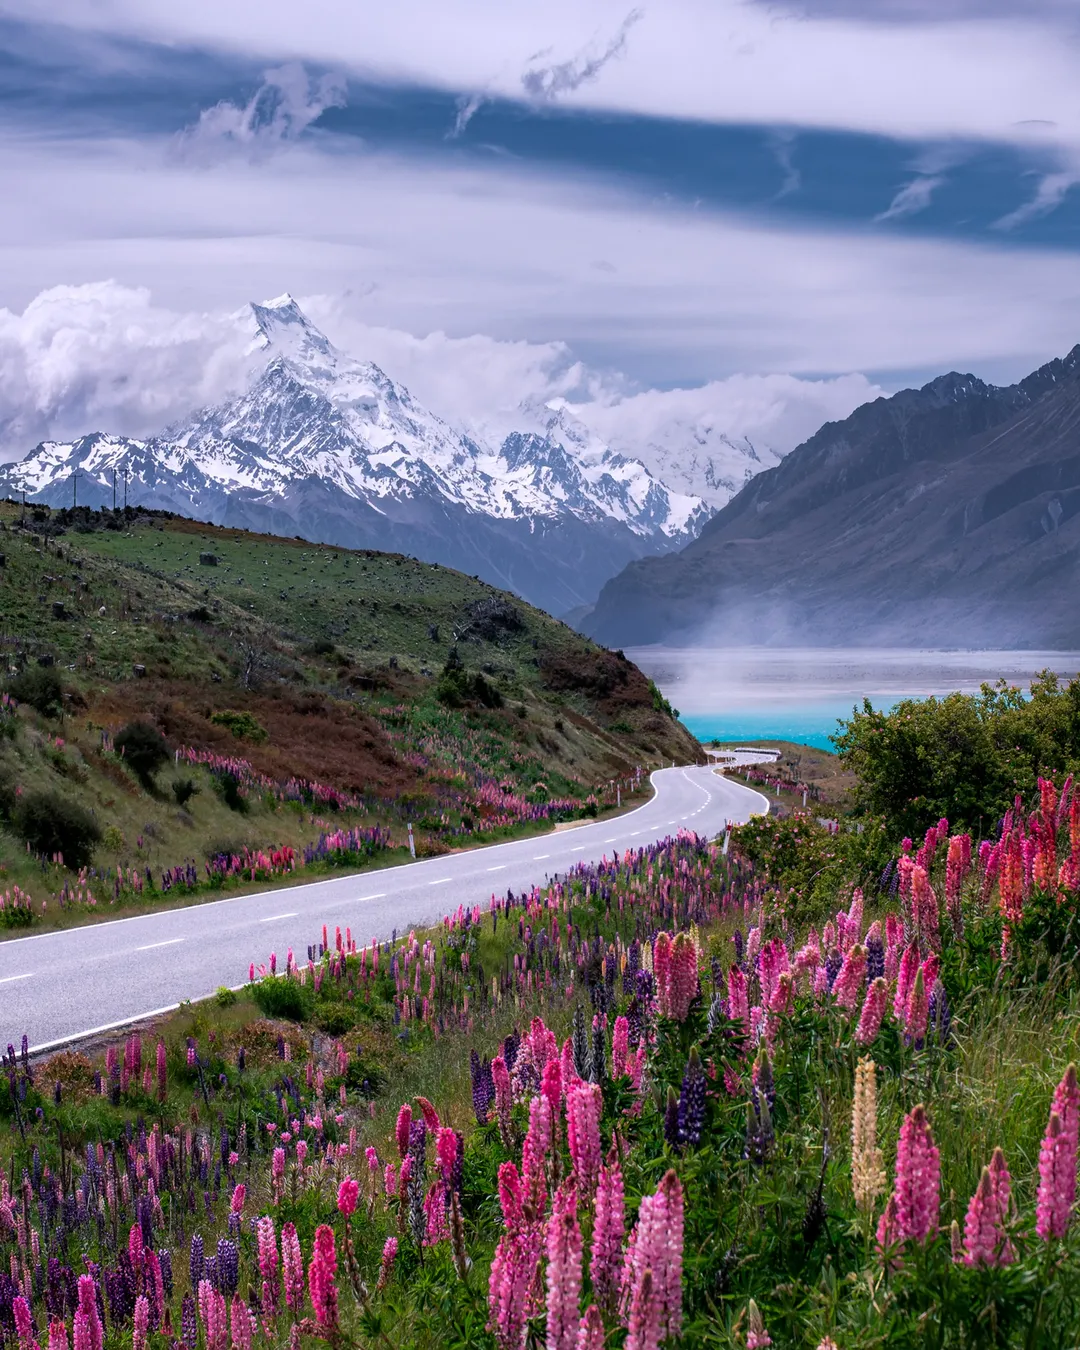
798,693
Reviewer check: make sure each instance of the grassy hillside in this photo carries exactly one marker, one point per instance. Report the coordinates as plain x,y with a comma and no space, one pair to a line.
300,690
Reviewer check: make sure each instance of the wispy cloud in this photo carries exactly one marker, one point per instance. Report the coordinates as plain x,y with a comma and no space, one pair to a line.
468,105
913,197
1049,195
546,82
782,144
287,102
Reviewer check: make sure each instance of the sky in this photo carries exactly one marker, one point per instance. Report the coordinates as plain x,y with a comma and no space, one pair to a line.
759,212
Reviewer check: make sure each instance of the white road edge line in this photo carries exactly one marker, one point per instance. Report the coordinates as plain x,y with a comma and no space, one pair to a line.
7,979
169,942
273,918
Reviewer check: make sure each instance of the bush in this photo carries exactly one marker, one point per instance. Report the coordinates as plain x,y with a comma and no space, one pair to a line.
225,997
183,789
53,824
279,996
144,748
41,688
242,725
227,786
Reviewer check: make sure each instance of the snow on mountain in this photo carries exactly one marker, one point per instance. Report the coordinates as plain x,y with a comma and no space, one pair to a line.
332,445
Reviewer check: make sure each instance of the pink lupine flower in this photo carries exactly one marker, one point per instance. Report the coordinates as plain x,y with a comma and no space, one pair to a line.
905,978
155,1286
662,972
851,980
140,1323
162,1071
643,1326
24,1325
924,908
783,996
591,1330
500,1076
918,1178
268,1264
401,1129
655,1251
888,1229
322,1270
756,1335
637,1066
88,1308
551,1087
1057,1180
738,999
563,1272
292,1264
240,1321
584,1105
620,1047
917,1014
58,1336
985,1239
436,1229
607,1234
389,1180
347,1196
570,1075
431,1116
446,1151
873,1011
511,1196
214,1316
236,1205
513,1270
682,976
386,1265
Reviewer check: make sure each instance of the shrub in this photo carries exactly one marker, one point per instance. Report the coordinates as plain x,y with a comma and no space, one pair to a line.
242,725
40,687
183,789
227,786
144,748
53,824
279,996
225,997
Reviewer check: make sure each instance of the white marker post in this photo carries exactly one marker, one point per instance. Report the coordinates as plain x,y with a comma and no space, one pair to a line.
412,841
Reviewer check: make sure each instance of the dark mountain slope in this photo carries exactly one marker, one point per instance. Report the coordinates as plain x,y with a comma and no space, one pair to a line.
944,515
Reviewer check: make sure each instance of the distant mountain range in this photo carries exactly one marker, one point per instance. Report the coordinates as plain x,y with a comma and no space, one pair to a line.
943,516
333,449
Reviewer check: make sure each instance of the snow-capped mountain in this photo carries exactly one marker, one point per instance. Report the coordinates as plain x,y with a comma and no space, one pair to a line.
332,448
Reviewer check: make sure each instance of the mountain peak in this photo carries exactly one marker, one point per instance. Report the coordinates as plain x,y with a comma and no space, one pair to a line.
282,328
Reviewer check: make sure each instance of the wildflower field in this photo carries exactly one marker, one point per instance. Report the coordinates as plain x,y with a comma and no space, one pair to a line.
653,1104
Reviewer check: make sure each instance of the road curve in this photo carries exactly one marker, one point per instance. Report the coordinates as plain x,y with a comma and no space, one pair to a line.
55,987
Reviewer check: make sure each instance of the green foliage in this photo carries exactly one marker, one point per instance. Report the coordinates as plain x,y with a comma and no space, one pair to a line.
40,687
279,996
243,725
457,687
225,997
964,756
228,788
51,824
143,748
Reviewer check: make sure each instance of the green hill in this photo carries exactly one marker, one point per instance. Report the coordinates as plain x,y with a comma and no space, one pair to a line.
300,690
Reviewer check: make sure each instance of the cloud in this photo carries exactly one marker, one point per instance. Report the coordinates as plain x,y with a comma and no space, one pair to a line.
468,105
1049,194
913,197
782,144
287,102
546,83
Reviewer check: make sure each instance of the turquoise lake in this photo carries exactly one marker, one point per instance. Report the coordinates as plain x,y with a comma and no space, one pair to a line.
797,694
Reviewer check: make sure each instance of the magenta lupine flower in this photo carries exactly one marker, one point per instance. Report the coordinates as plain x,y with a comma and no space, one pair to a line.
918,1178
1067,1101
591,1330
155,1286
140,1323
436,1229
401,1129
500,1076
240,1321
551,1087
563,1271
682,976
541,1131
58,1336
570,1075
511,1196
446,1151
239,1195
607,1235
888,1229
89,1309
851,980
917,1014
268,1264
905,978
873,1012
347,1196
985,1239
162,1072
24,1325
643,1326
386,1266
584,1105
513,1270
292,1264
431,1116
214,1316
389,1180
655,1253
783,998
322,1285
620,1047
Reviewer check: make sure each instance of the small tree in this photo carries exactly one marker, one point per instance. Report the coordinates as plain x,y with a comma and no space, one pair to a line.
144,748
41,688
53,824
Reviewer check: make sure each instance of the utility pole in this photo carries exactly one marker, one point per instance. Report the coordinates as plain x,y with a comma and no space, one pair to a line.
126,476
114,491
74,489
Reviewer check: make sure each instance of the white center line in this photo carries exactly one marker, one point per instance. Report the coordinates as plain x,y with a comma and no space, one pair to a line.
151,945
9,978
501,868
611,840
440,881
273,918
541,856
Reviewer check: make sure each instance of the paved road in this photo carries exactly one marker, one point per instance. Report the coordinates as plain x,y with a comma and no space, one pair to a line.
56,986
